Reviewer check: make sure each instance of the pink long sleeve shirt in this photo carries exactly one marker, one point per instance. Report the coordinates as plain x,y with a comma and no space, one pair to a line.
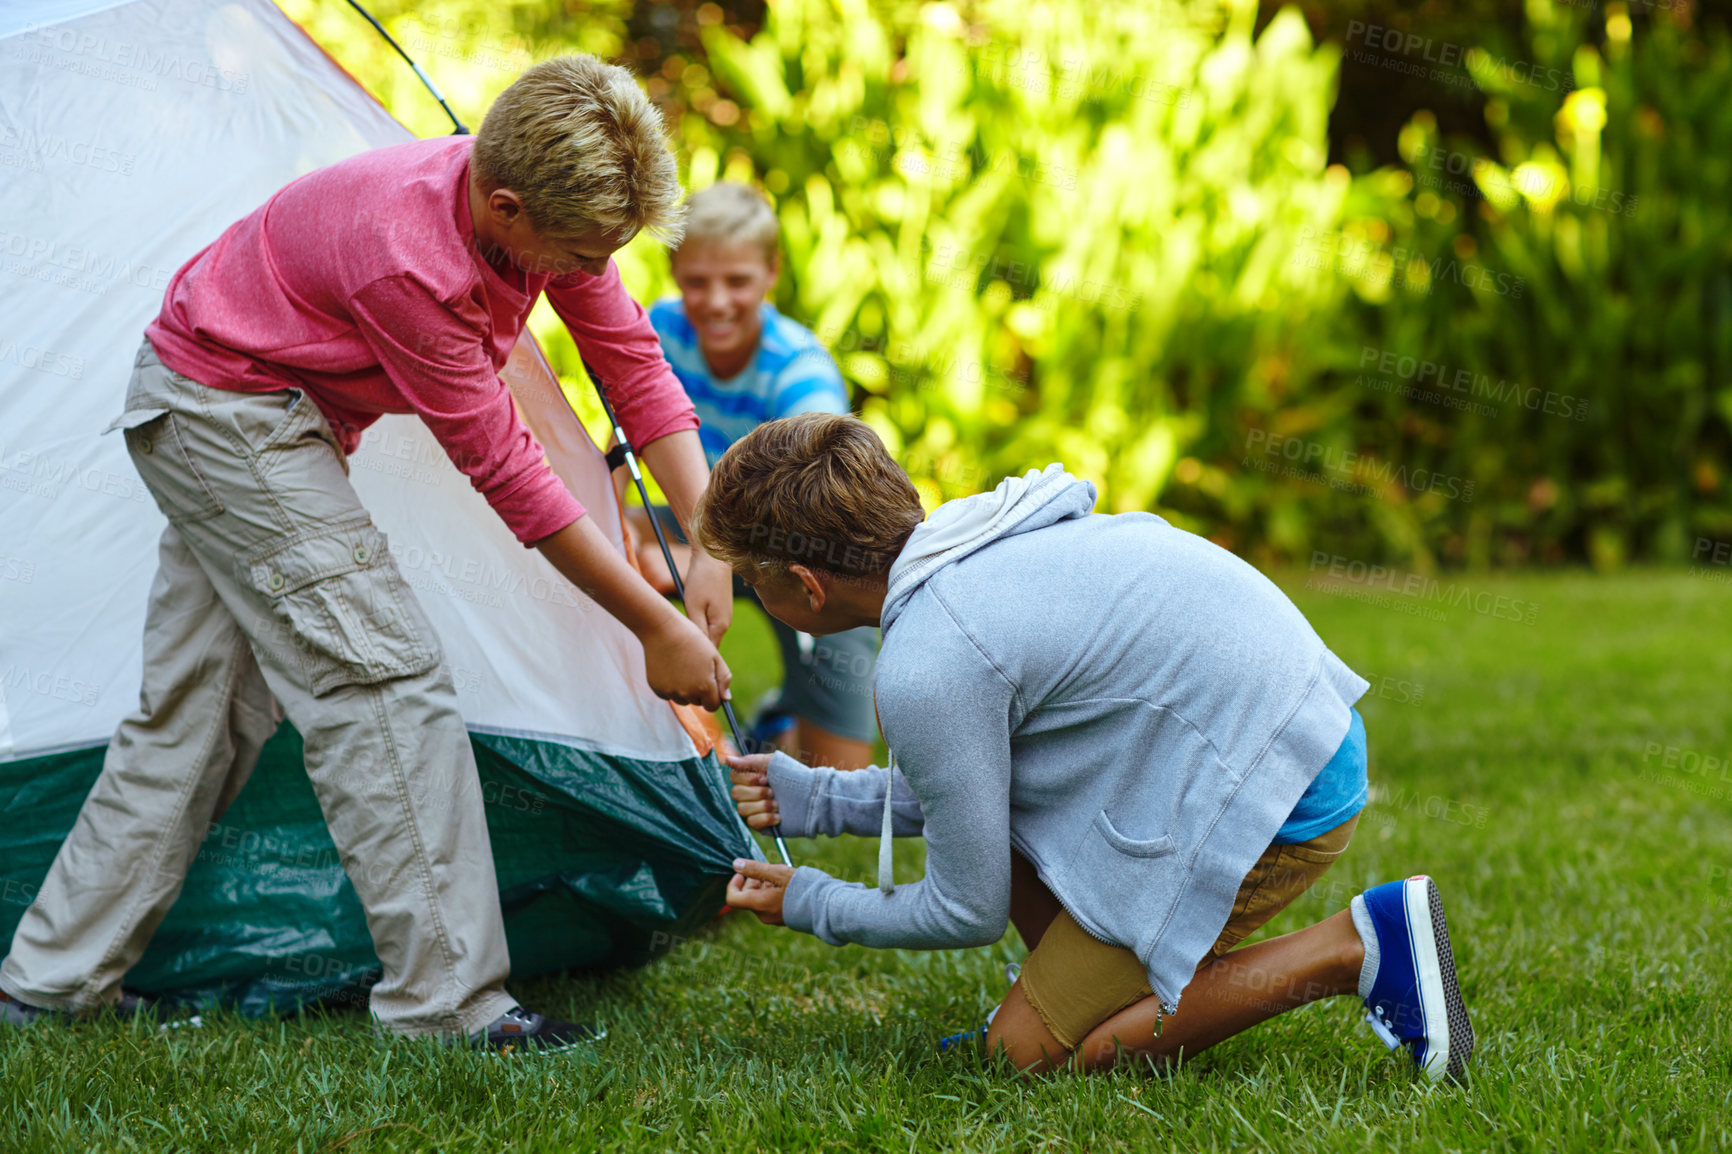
361,284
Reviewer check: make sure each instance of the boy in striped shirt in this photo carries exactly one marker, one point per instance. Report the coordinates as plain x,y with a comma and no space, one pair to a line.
743,363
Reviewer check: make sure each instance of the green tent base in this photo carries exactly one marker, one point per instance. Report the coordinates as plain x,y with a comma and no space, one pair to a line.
601,860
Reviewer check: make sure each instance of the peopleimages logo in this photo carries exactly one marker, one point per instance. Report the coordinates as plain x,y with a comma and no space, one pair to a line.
51,146
1412,592
1530,181
1072,76
37,474
834,556
1434,806
50,684
1681,767
1438,375
136,57
952,264
914,155
41,360
1413,270
1455,61
1360,470
80,268
1717,552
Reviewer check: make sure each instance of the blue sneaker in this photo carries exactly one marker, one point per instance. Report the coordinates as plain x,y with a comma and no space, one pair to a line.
1408,983
952,1040
978,1037
769,722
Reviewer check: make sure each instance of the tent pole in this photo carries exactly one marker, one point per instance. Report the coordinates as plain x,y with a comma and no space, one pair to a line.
460,128
623,454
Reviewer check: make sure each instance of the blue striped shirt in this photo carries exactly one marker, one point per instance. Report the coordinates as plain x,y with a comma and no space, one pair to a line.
790,373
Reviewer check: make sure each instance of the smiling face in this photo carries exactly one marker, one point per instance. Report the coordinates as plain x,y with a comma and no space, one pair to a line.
722,283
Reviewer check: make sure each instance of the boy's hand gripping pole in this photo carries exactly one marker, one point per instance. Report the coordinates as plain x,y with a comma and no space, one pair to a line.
623,454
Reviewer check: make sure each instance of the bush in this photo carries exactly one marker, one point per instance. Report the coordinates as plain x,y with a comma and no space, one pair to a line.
1106,232
1577,295
1059,232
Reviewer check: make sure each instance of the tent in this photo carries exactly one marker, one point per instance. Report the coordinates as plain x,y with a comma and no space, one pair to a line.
131,134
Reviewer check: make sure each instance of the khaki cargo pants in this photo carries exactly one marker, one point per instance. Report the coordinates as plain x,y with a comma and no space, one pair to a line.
274,586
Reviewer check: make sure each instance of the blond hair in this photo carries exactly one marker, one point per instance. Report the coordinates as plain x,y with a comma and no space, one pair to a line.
730,213
584,149
817,489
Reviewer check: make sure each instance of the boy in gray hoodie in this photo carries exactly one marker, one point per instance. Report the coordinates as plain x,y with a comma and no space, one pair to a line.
1111,732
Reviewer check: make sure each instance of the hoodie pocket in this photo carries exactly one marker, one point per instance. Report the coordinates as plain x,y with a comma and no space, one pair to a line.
1123,890
1122,887
1130,846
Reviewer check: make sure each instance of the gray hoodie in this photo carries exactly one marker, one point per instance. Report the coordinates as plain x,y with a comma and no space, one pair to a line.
1130,706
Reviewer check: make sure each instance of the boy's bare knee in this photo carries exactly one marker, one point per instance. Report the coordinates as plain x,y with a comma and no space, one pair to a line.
1019,1032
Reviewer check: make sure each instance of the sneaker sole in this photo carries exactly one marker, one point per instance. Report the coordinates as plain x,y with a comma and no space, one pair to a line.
1439,989
528,1044
14,1017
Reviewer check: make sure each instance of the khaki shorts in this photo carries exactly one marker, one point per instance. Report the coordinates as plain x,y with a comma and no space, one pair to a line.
1075,981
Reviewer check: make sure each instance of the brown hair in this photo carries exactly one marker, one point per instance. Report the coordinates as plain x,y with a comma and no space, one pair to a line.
583,148
818,489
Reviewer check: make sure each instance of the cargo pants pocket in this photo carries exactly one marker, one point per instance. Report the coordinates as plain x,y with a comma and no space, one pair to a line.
344,608
158,450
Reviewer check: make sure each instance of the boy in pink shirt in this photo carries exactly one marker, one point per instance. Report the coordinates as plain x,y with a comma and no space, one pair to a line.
397,281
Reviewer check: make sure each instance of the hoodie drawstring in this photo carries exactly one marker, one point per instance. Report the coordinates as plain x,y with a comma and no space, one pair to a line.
886,875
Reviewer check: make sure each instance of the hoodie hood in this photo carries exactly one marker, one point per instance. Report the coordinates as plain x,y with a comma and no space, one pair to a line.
1038,498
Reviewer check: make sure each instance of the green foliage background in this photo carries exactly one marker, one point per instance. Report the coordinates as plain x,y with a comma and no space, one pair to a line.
1109,233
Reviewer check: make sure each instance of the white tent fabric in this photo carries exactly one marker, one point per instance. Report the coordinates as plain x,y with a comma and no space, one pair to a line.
131,135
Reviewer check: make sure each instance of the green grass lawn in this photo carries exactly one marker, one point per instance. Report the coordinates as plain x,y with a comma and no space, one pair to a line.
1589,887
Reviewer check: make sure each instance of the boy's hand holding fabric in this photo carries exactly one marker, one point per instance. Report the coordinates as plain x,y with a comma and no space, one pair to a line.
760,887
682,665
